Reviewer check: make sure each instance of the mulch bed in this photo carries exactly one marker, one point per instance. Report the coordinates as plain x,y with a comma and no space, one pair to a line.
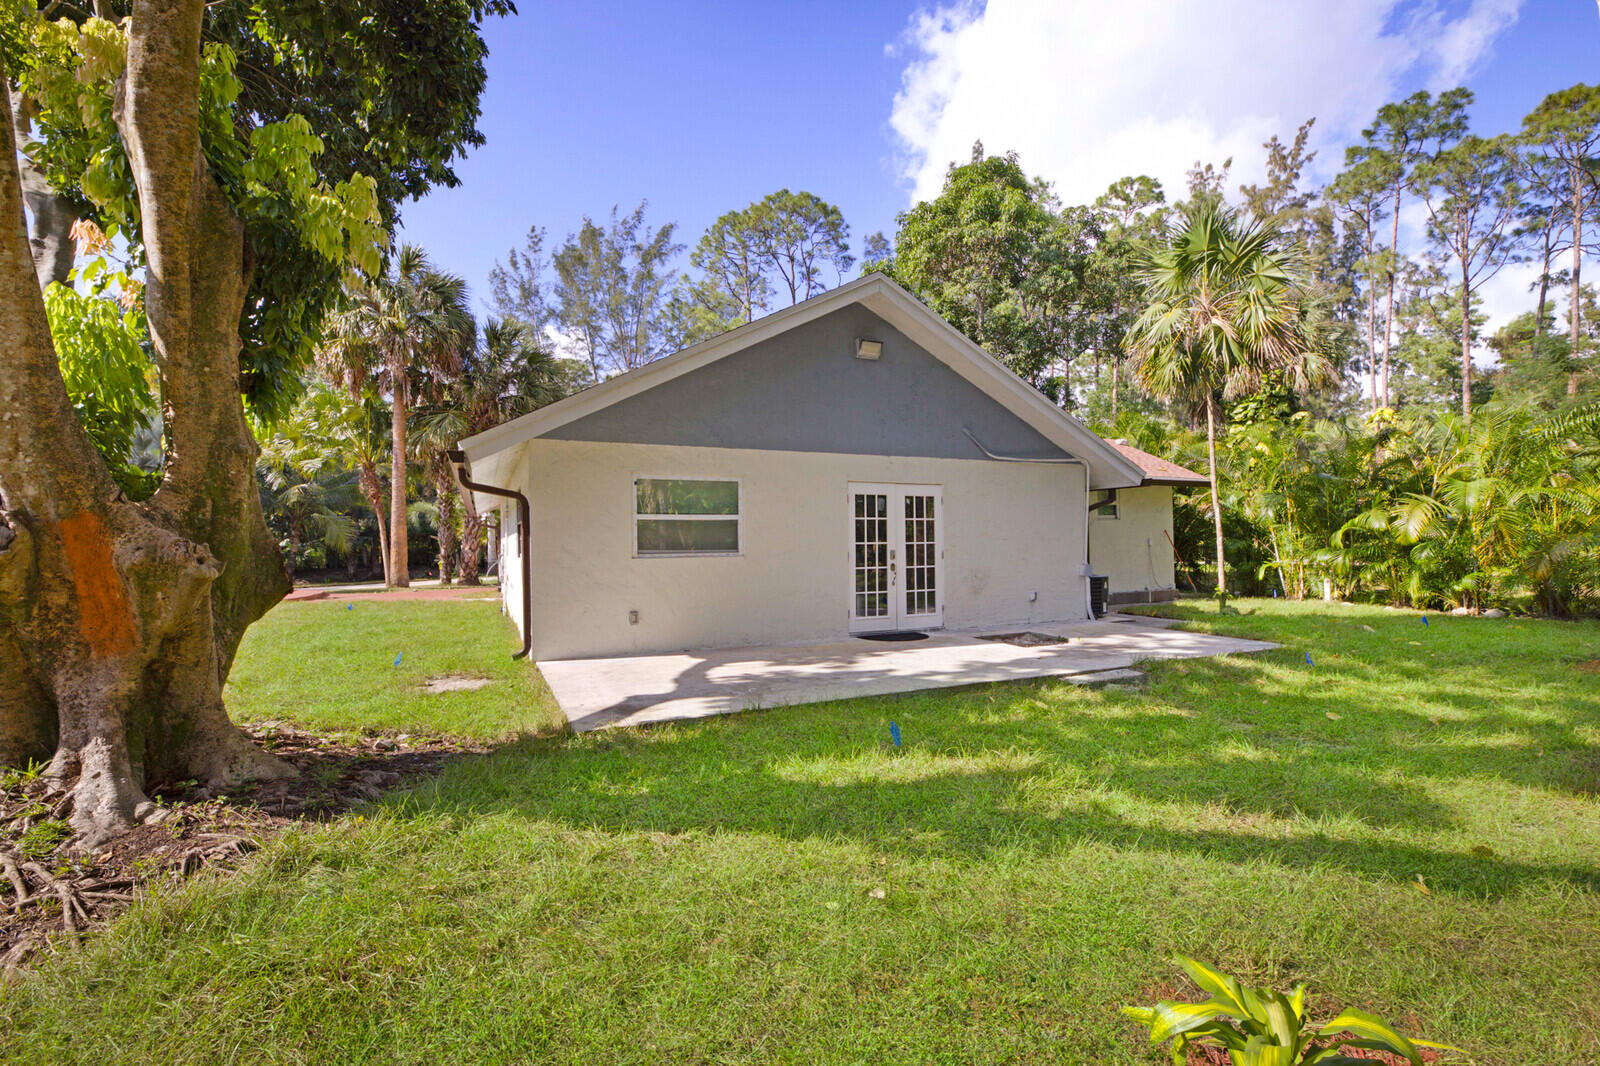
51,897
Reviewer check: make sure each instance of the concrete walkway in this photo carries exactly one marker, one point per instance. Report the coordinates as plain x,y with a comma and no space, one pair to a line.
640,689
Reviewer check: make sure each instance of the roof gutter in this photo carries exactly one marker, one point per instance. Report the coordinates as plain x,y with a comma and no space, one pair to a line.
459,459
1111,497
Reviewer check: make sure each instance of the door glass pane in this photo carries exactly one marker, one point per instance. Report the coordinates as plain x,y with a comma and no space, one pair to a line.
922,585
871,555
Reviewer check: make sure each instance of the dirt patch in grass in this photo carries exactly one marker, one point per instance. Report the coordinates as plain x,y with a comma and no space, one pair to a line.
51,896
1592,666
455,683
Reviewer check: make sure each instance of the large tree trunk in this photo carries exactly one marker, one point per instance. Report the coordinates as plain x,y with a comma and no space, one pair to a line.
1544,291
1466,345
51,243
1577,264
1116,360
1388,314
383,544
472,527
1372,341
399,550
372,489
1216,499
449,548
119,621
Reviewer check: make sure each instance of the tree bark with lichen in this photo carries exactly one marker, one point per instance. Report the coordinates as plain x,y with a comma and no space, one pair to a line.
119,620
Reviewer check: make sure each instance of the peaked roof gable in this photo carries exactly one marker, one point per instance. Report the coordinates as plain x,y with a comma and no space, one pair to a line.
1107,466
805,390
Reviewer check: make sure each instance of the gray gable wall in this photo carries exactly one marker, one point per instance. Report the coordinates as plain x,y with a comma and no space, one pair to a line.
805,391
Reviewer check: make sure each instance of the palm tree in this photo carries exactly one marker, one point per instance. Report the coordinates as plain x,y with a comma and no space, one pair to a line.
408,325
1228,309
310,508
327,435
1503,503
510,373
307,493
429,450
349,431
361,437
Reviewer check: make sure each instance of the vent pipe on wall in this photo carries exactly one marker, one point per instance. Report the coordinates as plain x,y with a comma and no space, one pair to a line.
1088,588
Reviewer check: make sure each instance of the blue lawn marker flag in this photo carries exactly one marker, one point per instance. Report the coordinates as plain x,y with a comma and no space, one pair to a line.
1424,619
894,734
1274,593
350,607
1308,660
397,657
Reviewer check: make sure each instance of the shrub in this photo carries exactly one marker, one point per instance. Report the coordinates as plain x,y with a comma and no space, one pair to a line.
1261,1027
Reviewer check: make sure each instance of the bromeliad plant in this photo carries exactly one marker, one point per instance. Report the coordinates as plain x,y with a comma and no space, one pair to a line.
1261,1027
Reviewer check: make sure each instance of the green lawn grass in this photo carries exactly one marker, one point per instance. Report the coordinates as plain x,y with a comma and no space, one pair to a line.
709,892
330,666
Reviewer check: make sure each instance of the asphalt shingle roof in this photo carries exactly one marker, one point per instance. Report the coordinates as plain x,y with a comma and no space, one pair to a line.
1157,469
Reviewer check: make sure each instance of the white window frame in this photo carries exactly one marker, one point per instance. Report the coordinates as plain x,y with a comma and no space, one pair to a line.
1110,510
633,507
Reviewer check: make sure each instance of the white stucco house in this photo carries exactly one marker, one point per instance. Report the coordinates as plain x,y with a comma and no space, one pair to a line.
1130,536
849,465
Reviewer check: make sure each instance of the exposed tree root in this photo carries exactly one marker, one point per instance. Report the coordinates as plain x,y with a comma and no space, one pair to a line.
55,889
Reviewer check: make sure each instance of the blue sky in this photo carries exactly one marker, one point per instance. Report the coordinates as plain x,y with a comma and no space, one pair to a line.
590,106
701,108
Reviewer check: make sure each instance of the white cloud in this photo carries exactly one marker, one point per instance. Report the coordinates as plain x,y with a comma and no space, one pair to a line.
1088,92
1457,47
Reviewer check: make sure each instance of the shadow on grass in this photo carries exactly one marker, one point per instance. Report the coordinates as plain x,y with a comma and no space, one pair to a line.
1029,765
1474,728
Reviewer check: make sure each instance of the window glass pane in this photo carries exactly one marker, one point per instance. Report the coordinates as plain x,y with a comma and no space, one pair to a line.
672,535
682,496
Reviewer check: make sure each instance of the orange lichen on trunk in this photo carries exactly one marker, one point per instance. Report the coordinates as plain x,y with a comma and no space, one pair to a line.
104,617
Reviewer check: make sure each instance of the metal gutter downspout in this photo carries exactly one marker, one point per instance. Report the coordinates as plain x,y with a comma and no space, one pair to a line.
458,459
1088,591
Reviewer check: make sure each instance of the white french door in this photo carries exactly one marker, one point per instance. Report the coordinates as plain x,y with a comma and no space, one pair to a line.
896,558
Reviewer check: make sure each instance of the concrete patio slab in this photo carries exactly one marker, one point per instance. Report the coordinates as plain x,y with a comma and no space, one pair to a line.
641,689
